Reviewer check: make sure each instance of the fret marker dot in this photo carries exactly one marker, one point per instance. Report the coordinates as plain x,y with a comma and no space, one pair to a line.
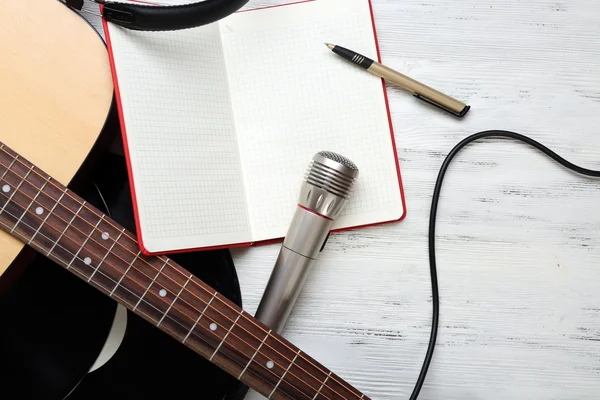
6,188
162,292
213,327
105,236
39,210
87,261
270,364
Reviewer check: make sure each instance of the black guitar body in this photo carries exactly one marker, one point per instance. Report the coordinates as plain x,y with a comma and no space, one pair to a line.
48,342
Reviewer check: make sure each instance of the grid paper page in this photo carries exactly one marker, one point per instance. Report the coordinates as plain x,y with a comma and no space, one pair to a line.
293,97
182,142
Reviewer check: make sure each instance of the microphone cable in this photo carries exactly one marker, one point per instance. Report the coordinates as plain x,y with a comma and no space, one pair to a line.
432,218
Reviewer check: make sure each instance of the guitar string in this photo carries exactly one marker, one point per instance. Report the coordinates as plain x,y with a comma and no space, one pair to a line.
177,285
343,384
136,297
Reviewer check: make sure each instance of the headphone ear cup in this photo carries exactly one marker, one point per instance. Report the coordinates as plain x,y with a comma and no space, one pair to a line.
169,18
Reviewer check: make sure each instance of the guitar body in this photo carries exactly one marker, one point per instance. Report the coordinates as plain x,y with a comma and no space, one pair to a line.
51,112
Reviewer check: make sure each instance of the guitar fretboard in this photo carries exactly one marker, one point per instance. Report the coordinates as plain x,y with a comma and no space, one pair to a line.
60,225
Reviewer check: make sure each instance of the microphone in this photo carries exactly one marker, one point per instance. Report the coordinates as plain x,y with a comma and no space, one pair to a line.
323,195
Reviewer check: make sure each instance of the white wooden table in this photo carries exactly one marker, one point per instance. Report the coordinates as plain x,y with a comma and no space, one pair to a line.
518,236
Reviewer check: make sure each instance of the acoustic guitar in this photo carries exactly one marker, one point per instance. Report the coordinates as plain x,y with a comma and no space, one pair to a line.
46,132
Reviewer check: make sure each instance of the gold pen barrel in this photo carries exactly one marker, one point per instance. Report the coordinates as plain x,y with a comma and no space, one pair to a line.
420,90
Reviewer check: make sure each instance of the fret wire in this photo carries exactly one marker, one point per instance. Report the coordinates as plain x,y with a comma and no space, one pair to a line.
200,316
309,361
45,219
151,283
225,337
100,286
29,206
16,232
322,385
9,168
66,227
16,190
85,241
174,300
255,353
126,271
284,374
104,258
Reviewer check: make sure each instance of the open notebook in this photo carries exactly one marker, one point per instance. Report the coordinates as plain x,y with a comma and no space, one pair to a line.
220,123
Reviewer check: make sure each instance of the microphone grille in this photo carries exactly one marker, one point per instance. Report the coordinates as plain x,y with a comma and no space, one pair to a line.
339,159
332,173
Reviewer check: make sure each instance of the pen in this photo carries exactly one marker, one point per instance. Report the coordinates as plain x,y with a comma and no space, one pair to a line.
419,90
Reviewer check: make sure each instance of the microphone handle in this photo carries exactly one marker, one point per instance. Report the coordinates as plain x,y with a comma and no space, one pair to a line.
305,239
285,284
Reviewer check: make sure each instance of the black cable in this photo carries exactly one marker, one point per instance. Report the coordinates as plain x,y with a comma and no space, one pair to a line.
432,218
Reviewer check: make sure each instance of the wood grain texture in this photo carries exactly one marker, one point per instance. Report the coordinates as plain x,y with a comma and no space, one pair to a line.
517,235
47,98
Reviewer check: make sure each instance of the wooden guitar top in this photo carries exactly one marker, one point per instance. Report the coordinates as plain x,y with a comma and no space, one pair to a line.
50,111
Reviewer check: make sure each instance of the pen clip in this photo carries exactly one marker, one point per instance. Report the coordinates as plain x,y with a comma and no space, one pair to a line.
457,114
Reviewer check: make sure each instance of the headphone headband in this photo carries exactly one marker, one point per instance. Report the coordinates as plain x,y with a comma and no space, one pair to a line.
158,18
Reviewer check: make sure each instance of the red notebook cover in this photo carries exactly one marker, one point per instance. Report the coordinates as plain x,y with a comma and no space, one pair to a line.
246,244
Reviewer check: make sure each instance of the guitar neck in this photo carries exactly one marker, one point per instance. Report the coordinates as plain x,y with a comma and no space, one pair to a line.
60,225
